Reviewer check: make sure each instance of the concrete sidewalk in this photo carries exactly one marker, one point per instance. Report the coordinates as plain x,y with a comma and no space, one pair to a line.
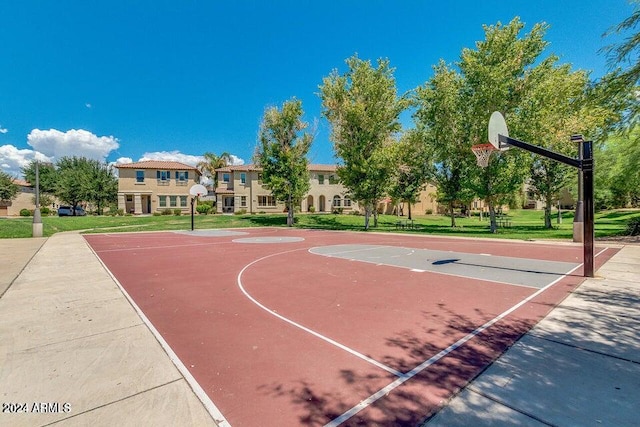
73,347
580,366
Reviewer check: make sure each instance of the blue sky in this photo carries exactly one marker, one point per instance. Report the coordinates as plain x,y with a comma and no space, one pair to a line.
122,80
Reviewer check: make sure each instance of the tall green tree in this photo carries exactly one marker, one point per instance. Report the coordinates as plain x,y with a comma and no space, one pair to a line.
440,119
8,189
211,162
496,77
363,109
72,176
101,185
412,171
47,176
282,154
554,107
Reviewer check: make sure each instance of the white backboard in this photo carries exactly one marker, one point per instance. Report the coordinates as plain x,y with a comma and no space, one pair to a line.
497,126
198,190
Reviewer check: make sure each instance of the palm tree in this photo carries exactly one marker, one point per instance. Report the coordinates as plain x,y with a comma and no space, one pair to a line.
212,162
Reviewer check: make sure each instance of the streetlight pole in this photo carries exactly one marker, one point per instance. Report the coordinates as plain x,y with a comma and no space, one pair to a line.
578,219
37,219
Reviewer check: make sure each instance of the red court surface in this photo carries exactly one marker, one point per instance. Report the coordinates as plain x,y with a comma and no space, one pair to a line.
277,334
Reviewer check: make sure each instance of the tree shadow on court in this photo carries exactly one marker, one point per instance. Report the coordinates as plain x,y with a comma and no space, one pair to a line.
416,400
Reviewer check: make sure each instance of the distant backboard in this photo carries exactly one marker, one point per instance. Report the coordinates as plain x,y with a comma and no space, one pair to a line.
198,190
497,126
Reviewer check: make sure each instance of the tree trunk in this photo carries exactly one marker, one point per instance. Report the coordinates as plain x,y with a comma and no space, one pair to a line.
367,214
409,203
453,216
289,213
547,213
492,218
375,217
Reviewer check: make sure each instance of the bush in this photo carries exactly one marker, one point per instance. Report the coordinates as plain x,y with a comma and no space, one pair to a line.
338,211
167,212
45,211
203,209
120,212
240,212
157,214
633,227
429,212
312,209
177,212
25,212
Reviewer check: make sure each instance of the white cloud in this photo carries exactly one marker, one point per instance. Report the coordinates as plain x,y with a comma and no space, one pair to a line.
13,159
236,161
3,130
81,143
172,156
123,160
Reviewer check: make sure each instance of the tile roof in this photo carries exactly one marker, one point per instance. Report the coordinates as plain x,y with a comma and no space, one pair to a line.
22,182
252,167
157,164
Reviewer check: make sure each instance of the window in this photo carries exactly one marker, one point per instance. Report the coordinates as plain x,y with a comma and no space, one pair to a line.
129,198
139,176
162,201
243,201
243,178
173,201
336,201
321,179
183,201
332,179
226,177
163,176
259,179
266,201
347,202
182,176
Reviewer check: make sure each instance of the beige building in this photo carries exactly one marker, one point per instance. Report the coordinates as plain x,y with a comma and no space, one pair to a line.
153,186
240,189
25,199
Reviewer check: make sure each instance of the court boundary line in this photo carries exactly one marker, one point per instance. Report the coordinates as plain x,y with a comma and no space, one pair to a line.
434,359
197,389
302,327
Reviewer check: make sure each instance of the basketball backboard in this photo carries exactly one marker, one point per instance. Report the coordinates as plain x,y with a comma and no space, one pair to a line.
497,126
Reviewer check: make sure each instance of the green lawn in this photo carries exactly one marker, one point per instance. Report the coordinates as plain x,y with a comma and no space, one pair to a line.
525,224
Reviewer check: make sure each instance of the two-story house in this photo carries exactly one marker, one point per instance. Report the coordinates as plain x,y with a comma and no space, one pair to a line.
240,189
153,186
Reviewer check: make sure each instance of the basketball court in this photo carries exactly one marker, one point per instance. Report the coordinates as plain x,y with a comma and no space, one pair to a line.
281,326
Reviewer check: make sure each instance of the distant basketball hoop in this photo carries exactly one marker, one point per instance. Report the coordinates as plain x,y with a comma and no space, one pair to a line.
483,152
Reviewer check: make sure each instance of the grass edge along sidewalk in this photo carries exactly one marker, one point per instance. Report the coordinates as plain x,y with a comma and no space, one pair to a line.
523,224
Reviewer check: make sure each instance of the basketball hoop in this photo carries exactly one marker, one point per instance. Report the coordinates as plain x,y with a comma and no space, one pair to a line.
483,152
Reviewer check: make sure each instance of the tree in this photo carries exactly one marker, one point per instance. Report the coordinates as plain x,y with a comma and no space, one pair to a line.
554,107
363,109
212,162
440,120
495,79
47,176
282,154
8,189
412,171
101,185
73,174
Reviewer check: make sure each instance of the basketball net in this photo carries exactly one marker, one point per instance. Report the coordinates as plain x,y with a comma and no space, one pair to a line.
483,152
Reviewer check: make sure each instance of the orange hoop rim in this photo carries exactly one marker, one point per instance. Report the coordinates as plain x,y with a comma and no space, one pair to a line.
483,153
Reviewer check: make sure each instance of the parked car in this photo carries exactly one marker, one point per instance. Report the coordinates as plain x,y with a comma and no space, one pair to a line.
68,211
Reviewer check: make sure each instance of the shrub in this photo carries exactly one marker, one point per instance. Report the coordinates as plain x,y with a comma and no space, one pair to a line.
633,227
167,212
177,212
157,214
25,212
240,212
312,209
120,212
203,209
45,211
429,212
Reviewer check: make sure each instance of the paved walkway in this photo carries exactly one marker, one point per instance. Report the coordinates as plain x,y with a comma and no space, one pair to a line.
72,347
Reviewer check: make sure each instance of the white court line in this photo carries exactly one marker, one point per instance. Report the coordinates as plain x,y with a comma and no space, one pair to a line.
161,247
304,328
424,365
